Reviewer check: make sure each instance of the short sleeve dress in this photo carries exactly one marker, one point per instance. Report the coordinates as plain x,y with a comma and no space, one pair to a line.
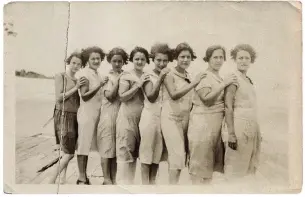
127,132
204,133
151,146
106,132
174,122
88,114
245,159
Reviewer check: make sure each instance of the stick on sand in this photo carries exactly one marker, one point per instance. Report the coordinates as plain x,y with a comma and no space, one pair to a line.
50,164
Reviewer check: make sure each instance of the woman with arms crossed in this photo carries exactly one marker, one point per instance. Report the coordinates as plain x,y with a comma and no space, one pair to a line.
127,132
89,110
151,146
106,132
66,85
176,106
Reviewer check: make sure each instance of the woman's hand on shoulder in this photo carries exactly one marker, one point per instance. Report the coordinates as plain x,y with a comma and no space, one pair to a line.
229,79
199,77
104,80
82,81
164,72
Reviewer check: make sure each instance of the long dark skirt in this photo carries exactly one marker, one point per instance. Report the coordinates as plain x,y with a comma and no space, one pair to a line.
69,133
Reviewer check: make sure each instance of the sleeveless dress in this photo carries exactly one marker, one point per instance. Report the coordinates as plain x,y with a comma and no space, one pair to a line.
174,122
106,132
204,133
245,159
69,119
151,146
88,114
127,132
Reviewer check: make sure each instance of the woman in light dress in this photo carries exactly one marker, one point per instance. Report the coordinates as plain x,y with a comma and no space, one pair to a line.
204,134
106,132
176,107
127,132
151,146
67,83
89,110
244,137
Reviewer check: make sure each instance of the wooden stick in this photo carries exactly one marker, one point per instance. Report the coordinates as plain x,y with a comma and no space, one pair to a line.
49,164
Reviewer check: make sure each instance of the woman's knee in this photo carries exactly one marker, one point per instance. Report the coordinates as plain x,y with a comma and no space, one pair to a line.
70,156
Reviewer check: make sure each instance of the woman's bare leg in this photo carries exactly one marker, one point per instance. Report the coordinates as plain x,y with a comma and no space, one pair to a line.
105,163
82,161
145,173
174,176
113,170
64,161
153,173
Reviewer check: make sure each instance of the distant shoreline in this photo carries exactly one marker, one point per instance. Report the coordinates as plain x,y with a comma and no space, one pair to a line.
30,77
31,74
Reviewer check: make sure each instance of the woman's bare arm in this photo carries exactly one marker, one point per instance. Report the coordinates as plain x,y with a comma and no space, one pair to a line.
173,92
229,115
126,93
59,87
152,91
208,95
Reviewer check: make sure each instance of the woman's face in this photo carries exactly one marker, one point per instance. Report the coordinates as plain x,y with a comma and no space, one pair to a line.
217,59
161,61
139,61
117,62
184,59
94,60
243,60
75,64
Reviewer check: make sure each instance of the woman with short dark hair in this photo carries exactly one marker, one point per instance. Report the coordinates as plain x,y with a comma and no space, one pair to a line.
244,137
176,107
127,124
151,146
89,110
106,131
204,132
65,113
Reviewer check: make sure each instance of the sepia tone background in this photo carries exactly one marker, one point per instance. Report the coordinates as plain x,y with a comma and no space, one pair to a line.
272,28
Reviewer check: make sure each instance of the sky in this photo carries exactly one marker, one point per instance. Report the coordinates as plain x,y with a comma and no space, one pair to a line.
272,28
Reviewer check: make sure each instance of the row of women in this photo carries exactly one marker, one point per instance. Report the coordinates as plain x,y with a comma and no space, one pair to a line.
161,115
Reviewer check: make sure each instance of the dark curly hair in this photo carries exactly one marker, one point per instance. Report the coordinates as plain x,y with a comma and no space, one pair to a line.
162,48
184,47
88,51
117,51
141,50
244,47
74,54
209,52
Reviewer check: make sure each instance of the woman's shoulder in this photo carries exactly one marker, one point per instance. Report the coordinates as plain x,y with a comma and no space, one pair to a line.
171,73
59,75
82,73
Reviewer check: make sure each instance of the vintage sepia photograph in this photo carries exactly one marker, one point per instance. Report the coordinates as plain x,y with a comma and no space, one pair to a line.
153,97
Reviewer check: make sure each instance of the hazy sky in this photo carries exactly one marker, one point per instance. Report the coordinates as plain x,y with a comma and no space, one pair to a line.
272,28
